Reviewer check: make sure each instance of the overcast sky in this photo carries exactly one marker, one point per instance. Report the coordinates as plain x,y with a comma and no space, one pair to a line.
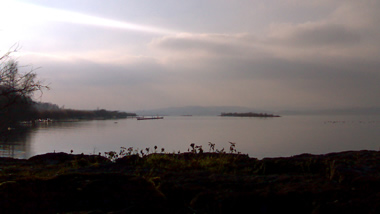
135,55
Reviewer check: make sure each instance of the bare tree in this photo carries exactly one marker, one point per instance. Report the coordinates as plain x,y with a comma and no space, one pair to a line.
16,88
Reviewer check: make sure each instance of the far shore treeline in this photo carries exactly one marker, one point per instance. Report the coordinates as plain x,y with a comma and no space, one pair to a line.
32,112
53,112
248,114
17,104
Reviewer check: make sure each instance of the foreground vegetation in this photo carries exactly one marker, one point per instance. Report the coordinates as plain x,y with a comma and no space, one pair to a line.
151,181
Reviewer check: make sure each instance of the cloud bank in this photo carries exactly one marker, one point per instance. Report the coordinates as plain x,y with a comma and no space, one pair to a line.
288,55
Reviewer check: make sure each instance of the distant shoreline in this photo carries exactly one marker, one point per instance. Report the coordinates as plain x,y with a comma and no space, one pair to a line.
248,114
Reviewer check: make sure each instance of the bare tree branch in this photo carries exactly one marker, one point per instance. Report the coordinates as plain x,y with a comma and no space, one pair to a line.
14,85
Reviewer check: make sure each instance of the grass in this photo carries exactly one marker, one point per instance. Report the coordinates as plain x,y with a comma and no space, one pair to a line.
195,158
152,162
148,162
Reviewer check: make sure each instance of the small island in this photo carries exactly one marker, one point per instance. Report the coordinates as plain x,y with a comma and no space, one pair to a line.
248,114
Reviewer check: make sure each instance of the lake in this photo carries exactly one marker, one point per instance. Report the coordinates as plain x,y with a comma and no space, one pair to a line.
258,137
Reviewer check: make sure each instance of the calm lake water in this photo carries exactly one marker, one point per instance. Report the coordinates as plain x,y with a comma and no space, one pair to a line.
258,137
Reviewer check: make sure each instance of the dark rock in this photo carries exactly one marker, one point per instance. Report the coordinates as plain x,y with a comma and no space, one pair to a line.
81,192
129,160
346,182
52,158
60,158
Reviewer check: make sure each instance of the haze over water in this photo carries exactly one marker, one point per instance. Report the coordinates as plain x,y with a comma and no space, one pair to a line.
257,137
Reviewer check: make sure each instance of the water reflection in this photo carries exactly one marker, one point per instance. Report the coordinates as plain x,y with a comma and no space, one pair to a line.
16,143
58,125
259,138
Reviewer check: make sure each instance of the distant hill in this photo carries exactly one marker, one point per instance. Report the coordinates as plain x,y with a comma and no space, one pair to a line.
197,110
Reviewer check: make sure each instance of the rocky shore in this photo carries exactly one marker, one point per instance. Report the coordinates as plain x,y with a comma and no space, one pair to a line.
345,182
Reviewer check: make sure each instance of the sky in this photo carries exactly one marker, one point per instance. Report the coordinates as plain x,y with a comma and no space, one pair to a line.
146,54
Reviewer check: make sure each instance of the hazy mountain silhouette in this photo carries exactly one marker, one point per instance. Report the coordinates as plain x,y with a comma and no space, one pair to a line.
341,111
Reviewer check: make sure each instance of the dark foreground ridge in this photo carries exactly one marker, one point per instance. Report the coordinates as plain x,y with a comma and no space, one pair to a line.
346,182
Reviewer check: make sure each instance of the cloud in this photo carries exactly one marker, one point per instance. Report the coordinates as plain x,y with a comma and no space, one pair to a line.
306,54
80,83
221,44
348,30
88,73
308,41
327,62
315,35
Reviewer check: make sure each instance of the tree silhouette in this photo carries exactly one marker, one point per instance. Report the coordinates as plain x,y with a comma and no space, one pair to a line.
16,90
